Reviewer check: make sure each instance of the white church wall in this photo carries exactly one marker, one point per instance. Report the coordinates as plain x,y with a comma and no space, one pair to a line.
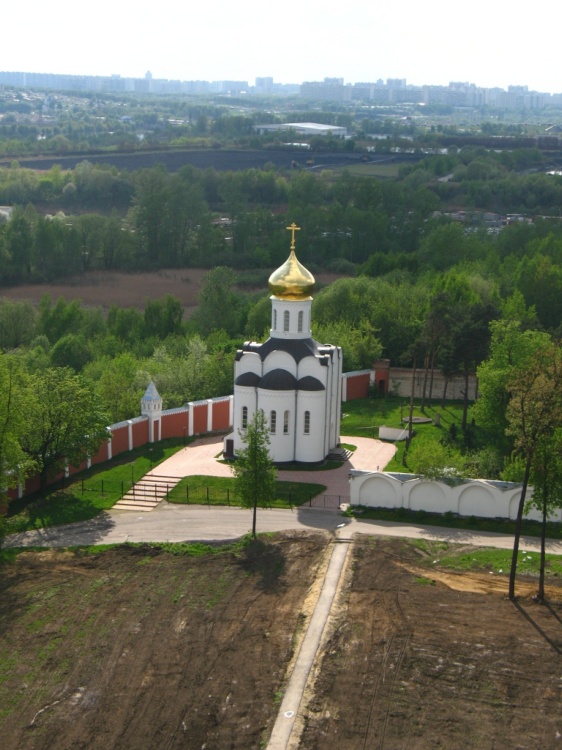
293,307
310,448
334,388
250,362
534,514
478,500
380,486
310,366
245,397
282,444
471,498
279,360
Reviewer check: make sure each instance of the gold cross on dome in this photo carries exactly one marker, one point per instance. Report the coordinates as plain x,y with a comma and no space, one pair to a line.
293,228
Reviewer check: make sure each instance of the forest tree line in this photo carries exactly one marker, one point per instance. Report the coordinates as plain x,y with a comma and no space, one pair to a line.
420,289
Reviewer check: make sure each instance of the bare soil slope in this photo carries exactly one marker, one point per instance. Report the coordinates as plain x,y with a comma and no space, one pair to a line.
136,648
425,659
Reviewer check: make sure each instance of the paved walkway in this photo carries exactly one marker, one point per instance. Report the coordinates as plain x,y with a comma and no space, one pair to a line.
185,523
201,457
181,523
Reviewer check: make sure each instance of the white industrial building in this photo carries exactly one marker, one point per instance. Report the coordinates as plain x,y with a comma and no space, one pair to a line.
304,128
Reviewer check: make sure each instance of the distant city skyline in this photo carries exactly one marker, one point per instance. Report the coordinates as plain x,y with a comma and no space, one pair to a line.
488,44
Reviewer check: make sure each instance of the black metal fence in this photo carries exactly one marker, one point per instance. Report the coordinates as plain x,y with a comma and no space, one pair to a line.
105,487
328,501
205,495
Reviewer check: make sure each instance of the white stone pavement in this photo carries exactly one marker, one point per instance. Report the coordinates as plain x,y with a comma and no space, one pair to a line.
201,458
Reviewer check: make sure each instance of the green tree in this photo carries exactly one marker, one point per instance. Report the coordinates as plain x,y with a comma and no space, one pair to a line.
163,317
534,415
258,322
14,464
55,321
254,470
546,476
19,240
434,460
219,303
359,343
540,281
149,213
118,384
71,351
511,350
17,324
64,422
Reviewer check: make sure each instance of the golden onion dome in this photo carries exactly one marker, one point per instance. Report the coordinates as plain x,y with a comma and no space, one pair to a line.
291,280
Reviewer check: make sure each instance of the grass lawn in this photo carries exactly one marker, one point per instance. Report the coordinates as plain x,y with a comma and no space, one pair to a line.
221,491
86,494
452,521
486,559
362,418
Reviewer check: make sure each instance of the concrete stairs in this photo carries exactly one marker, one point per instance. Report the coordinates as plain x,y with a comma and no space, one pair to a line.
147,493
340,454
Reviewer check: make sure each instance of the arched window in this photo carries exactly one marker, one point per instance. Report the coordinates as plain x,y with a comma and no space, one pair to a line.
286,423
244,417
307,423
286,320
301,316
275,320
273,422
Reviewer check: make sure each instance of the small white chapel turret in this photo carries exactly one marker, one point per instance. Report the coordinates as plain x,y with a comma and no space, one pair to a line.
151,407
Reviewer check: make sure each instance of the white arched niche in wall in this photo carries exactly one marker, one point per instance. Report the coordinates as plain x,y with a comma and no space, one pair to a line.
477,500
430,496
379,492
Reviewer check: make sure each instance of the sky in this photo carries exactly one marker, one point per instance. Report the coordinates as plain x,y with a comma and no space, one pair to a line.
486,42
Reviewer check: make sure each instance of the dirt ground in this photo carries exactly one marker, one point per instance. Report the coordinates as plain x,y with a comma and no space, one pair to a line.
106,288
422,658
134,647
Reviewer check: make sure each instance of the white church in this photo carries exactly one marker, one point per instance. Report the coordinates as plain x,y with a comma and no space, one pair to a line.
295,380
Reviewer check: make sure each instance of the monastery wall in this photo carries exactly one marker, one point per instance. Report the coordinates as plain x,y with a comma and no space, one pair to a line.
215,415
477,497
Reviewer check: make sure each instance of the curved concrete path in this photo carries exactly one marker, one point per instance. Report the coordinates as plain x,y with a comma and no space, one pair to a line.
196,523
181,523
201,458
